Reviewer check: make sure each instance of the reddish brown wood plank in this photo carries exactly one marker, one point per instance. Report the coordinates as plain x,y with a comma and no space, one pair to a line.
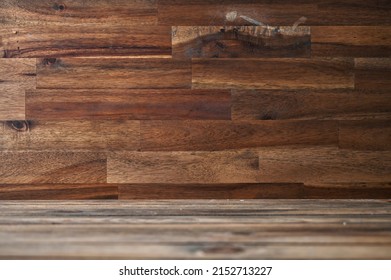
373,73
52,167
97,40
183,167
58,191
277,12
356,41
365,135
304,104
240,41
322,164
70,135
220,135
274,73
112,73
128,104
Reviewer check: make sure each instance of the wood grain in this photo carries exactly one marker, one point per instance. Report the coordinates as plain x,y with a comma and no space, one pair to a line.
70,135
75,73
274,73
220,135
183,167
322,164
365,135
128,104
16,75
29,167
58,192
209,229
97,40
358,41
280,12
310,104
373,73
240,41
88,12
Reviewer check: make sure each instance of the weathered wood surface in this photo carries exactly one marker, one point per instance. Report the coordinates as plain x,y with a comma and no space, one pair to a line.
196,229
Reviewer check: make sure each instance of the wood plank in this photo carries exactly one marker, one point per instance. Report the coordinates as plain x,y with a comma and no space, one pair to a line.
182,167
240,41
274,73
220,135
280,12
356,41
307,105
58,191
16,75
89,12
52,167
62,41
365,135
373,73
70,135
128,104
112,73
322,164
256,191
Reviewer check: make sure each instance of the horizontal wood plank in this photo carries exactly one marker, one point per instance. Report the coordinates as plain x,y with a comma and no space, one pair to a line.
220,135
365,135
373,73
357,41
274,73
58,192
322,164
97,73
128,104
240,41
70,135
280,12
97,40
52,167
306,105
182,167
16,76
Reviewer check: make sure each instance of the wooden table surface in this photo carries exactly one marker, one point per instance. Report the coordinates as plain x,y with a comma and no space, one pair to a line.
109,102
196,229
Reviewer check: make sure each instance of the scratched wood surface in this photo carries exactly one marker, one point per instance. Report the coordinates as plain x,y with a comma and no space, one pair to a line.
279,106
196,229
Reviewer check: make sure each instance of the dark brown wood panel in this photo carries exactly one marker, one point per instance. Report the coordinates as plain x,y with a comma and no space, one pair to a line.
183,167
86,12
62,41
220,135
357,41
322,164
310,104
128,104
365,135
58,192
31,167
240,41
280,12
71,135
373,73
274,73
255,191
16,75
112,73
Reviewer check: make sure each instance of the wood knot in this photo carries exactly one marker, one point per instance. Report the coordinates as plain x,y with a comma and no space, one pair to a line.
49,61
19,126
59,7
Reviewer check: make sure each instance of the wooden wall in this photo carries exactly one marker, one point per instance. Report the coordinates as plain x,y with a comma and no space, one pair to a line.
146,99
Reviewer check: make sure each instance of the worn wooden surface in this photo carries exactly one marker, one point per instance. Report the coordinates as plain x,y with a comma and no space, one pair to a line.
196,229
138,99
